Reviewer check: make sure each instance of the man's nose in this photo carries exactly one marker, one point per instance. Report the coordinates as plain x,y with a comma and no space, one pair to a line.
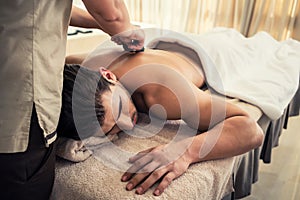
125,124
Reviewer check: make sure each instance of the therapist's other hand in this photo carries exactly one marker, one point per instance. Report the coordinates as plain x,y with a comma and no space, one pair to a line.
132,40
162,163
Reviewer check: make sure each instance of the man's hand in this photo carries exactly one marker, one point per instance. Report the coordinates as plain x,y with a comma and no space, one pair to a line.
163,163
132,40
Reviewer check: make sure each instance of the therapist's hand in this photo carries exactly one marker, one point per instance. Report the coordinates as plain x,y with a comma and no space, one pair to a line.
132,40
161,163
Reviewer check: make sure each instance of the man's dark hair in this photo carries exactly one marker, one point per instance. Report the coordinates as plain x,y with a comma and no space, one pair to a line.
84,99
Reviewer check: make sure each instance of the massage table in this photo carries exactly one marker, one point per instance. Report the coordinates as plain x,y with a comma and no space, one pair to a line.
247,172
98,176
225,179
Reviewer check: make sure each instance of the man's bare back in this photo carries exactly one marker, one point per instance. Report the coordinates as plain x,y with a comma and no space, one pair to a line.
181,63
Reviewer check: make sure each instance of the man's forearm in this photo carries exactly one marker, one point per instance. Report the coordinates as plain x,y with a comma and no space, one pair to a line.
234,136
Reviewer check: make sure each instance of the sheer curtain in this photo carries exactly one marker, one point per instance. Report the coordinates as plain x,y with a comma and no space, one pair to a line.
165,14
281,18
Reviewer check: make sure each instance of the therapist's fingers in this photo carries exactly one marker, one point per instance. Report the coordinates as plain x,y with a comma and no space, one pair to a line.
132,40
135,46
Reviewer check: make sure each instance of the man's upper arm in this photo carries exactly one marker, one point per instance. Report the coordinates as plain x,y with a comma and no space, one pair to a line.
199,115
211,110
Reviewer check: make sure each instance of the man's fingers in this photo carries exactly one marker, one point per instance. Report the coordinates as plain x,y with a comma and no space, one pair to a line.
137,165
136,180
167,180
141,176
139,155
151,180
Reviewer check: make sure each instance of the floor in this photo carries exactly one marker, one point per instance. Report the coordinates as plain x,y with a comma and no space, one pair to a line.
281,179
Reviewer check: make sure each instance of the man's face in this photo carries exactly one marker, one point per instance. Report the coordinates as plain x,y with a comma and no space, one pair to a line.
120,112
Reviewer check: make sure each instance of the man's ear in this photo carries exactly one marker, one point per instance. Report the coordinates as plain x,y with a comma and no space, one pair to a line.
108,75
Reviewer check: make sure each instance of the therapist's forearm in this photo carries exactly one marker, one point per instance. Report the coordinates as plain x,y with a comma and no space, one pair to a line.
112,15
81,18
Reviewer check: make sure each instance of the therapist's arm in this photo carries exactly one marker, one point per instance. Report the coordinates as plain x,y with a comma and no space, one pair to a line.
111,15
113,18
81,18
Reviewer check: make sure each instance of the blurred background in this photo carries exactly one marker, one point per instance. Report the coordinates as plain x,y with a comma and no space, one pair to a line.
280,18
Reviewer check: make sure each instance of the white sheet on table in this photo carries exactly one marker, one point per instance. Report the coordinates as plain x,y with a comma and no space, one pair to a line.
258,69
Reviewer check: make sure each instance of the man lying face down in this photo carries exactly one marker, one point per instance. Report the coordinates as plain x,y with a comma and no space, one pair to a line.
166,85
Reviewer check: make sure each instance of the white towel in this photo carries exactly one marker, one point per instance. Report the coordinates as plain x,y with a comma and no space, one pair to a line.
258,70
80,150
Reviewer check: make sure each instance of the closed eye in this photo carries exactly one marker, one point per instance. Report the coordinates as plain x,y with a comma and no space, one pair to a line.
112,128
